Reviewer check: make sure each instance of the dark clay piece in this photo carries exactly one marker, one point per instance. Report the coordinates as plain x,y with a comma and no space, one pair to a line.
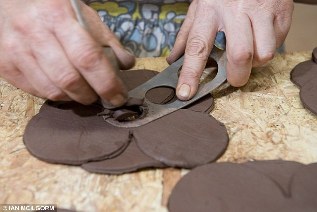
72,134
281,172
306,1
308,96
315,55
303,73
232,187
132,159
224,187
205,104
304,186
155,95
183,139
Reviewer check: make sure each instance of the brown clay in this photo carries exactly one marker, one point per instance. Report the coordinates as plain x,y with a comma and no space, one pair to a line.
229,187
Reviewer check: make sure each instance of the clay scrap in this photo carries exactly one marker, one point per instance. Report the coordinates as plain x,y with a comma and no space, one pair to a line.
74,134
304,75
253,186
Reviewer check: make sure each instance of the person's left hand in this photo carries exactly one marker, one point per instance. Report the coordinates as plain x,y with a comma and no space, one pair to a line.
254,29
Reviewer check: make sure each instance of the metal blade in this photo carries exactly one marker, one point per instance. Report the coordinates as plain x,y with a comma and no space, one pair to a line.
169,78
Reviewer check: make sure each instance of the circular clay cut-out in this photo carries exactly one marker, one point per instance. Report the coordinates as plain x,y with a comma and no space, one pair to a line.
167,92
132,159
73,135
308,96
183,139
304,75
279,171
224,187
228,187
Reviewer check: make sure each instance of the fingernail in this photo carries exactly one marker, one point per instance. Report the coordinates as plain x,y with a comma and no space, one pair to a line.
184,91
118,100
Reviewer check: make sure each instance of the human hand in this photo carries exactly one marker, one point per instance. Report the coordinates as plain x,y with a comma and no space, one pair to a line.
254,29
45,51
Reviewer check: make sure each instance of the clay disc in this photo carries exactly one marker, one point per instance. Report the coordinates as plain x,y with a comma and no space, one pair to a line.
303,73
304,186
183,139
281,172
205,104
315,55
132,159
73,134
308,95
225,187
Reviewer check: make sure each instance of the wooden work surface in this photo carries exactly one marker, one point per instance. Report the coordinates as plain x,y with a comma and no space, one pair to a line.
265,120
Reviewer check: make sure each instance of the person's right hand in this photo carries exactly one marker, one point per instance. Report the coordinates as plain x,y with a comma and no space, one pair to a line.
44,51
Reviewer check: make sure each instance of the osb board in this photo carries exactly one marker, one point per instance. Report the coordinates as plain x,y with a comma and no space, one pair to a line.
265,120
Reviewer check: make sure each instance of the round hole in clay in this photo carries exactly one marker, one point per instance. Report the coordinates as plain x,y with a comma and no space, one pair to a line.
161,95
131,114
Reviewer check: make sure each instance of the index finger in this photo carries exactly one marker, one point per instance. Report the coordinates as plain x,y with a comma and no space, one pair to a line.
199,44
88,58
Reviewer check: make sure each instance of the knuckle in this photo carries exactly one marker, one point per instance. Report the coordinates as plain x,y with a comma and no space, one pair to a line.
265,57
241,57
89,58
55,94
9,46
20,26
190,73
237,82
110,87
182,34
68,80
197,47
88,101
55,11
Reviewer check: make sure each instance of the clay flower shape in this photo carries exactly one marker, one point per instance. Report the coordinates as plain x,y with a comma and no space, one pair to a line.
74,134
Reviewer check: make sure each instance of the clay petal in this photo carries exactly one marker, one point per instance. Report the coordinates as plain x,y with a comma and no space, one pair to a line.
303,73
308,96
281,172
183,139
73,135
132,159
226,187
304,186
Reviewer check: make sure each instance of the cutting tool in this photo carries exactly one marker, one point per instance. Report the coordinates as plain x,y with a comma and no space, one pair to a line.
166,78
169,78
